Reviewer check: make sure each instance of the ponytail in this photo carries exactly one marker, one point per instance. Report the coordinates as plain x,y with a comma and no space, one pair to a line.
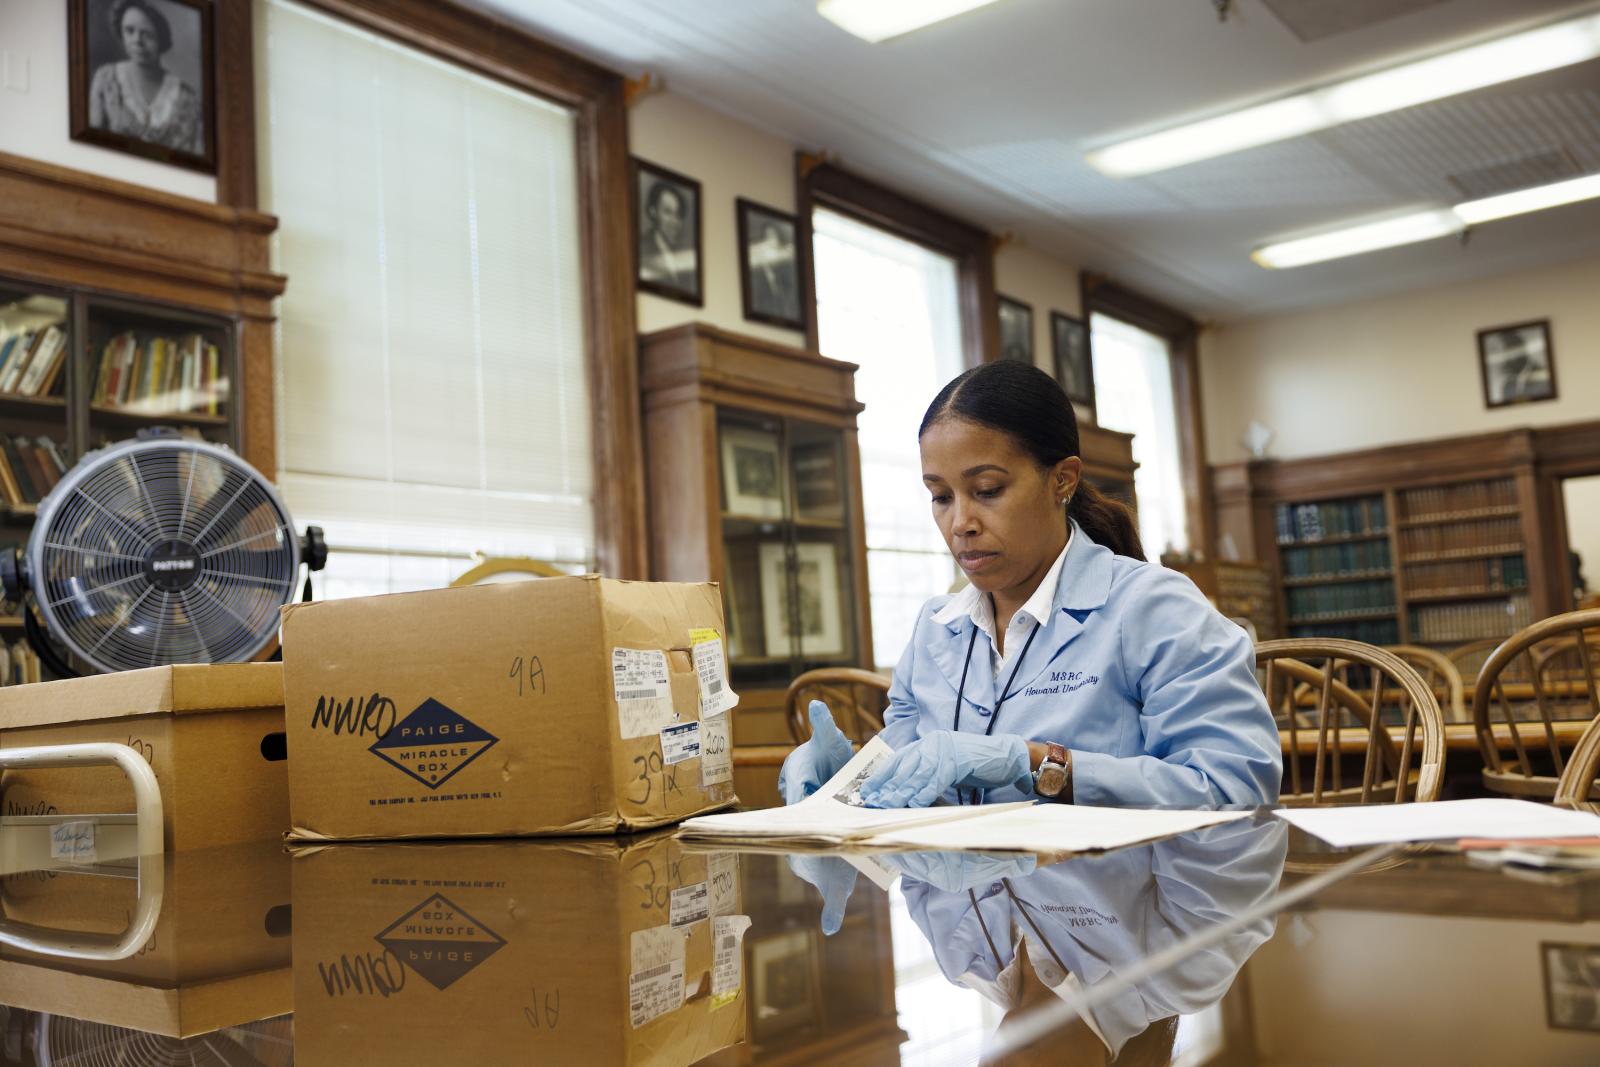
1108,522
1022,400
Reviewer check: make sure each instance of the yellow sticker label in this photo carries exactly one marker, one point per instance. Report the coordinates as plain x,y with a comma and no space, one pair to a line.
702,634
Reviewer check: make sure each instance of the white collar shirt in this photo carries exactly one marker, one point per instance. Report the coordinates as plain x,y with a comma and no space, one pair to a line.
970,601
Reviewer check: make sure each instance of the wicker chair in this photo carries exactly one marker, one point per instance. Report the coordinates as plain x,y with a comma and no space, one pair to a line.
1561,661
856,697
1294,681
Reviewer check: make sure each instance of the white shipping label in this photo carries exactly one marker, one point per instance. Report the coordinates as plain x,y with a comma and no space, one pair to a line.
722,874
727,971
655,992
715,695
73,842
680,742
716,751
648,949
689,904
643,691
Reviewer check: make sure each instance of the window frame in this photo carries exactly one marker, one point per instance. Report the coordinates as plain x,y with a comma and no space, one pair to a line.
820,183
505,52
1102,295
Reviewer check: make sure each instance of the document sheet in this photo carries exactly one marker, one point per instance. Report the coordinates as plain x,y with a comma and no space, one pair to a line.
1483,817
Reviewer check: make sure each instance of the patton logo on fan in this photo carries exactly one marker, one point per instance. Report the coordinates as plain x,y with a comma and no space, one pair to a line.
433,743
440,941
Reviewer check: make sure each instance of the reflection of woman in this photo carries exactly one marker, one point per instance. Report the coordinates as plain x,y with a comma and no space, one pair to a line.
138,96
1066,932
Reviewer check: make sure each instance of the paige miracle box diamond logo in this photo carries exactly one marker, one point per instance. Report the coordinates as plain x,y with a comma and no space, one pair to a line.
433,743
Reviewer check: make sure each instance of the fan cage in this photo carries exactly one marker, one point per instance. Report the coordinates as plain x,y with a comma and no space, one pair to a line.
160,551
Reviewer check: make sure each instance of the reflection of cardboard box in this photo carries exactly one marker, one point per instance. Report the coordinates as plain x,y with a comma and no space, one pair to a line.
594,952
218,956
556,706
213,736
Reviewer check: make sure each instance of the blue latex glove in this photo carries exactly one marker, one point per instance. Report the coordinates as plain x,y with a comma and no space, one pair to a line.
814,762
834,879
956,872
924,770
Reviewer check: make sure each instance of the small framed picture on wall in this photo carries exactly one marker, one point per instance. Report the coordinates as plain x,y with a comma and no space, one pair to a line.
1074,370
140,78
1016,330
769,265
666,233
1517,363
1571,985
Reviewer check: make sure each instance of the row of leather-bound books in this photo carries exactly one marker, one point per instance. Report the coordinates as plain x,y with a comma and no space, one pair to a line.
29,467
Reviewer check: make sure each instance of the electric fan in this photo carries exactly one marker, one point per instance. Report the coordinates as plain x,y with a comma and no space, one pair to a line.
60,1041
159,550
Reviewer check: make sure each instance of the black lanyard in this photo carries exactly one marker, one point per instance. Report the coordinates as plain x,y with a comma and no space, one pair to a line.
1005,694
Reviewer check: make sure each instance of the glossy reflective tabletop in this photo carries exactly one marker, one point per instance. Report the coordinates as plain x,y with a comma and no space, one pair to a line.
1240,944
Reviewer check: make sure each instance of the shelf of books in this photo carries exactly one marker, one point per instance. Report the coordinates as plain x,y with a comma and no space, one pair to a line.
1336,566
1463,562
79,371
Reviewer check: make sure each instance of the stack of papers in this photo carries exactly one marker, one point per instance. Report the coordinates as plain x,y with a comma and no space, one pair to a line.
1441,820
834,816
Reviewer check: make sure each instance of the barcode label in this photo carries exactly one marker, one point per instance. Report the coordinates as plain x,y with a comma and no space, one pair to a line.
715,696
643,691
636,694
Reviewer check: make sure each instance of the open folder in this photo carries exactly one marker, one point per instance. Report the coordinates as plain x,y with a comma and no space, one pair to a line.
834,816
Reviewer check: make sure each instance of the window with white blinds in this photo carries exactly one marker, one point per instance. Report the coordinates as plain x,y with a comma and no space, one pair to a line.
433,399
893,308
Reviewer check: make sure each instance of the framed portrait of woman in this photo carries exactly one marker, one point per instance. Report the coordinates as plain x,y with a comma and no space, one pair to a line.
141,78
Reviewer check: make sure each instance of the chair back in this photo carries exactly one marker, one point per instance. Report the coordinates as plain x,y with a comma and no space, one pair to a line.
487,570
1327,719
1576,786
1561,661
1441,675
856,697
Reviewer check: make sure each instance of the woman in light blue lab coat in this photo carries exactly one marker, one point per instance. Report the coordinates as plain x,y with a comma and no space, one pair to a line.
1069,669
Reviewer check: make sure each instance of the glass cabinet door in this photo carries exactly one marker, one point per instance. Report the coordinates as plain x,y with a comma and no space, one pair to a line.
788,581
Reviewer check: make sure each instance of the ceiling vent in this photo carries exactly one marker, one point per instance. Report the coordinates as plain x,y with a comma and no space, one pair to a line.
1523,172
1313,20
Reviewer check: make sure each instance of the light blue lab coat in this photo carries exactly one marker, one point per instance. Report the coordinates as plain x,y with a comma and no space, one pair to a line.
1136,673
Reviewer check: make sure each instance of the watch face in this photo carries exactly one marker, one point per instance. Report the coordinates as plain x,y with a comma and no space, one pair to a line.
1050,779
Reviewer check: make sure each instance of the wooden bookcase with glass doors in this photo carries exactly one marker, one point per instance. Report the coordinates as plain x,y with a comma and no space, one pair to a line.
754,482
81,369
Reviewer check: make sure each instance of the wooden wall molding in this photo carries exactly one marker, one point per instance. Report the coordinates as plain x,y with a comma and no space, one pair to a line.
825,184
506,52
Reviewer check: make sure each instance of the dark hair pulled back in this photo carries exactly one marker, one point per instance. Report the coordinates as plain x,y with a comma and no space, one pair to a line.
1025,402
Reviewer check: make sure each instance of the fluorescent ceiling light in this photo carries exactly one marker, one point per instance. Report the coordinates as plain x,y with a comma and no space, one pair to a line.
1463,70
1424,225
1367,237
1525,200
879,20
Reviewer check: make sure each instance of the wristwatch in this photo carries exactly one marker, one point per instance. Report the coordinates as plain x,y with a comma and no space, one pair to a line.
1053,779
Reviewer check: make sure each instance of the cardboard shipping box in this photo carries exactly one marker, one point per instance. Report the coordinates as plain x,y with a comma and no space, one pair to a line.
213,734
218,955
556,706
617,951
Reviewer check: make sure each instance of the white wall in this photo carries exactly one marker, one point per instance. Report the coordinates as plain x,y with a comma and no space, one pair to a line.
732,159
1045,283
1403,368
1582,498
34,119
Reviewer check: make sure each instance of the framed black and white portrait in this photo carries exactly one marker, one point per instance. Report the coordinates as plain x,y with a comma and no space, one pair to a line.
1074,370
1571,985
752,473
1016,330
769,265
1517,363
140,78
666,233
